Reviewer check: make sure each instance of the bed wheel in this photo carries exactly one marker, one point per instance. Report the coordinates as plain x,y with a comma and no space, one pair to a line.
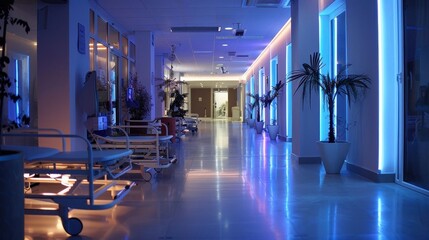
147,176
73,226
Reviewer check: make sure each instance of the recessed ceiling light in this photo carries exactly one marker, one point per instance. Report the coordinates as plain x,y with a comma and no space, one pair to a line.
221,57
225,45
228,28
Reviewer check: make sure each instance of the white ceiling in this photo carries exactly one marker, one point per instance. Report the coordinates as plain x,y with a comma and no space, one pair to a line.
198,53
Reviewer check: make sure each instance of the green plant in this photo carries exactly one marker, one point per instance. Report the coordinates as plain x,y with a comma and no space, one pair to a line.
256,104
311,79
271,95
250,108
176,106
6,8
139,106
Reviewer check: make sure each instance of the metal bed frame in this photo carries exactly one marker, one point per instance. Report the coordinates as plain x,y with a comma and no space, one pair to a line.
149,151
70,179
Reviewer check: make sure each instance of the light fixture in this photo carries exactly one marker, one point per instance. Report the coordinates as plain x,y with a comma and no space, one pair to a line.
225,45
54,175
221,57
65,180
228,28
195,29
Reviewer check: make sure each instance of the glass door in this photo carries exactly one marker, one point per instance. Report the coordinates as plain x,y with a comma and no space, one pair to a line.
113,87
220,104
338,63
416,93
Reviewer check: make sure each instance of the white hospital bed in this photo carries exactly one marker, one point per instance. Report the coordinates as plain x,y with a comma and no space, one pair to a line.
69,180
149,151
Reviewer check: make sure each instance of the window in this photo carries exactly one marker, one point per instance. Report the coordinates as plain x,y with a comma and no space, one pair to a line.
18,69
124,42
334,53
101,29
273,82
113,37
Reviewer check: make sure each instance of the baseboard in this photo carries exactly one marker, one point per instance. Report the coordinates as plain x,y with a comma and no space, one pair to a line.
373,176
306,160
285,139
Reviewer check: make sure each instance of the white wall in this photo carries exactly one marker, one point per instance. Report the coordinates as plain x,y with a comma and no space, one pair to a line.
362,42
145,64
61,69
305,119
276,48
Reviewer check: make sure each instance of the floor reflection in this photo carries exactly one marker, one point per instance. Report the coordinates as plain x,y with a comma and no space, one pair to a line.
231,183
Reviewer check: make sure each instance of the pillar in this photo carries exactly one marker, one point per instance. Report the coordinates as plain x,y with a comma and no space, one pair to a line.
305,115
145,64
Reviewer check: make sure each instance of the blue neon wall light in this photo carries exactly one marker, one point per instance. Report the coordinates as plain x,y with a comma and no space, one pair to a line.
388,62
289,93
273,82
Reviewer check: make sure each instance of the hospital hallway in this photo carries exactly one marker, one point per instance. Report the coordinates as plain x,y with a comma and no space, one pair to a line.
231,183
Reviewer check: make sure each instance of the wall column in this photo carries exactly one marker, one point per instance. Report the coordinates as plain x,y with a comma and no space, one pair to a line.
145,65
305,115
159,77
61,68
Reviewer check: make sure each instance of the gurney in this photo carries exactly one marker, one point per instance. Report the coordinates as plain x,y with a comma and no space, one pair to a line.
69,180
150,151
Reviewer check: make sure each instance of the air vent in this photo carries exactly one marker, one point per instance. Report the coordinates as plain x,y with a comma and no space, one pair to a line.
231,54
55,1
266,3
195,29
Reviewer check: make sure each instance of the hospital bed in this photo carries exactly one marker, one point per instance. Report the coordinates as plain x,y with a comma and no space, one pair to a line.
149,151
192,122
58,180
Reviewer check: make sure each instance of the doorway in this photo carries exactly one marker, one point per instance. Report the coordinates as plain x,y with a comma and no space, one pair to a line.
220,107
416,93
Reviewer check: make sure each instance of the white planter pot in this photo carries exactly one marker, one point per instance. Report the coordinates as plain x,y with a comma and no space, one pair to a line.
273,131
259,127
333,155
251,122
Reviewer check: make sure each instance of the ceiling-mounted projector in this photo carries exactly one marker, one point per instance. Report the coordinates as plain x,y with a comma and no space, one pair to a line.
238,32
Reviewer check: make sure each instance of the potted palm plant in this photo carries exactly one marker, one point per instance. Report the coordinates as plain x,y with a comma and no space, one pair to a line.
250,120
333,153
267,100
259,125
138,105
11,180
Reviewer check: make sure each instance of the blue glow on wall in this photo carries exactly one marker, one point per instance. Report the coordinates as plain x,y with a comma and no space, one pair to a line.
388,63
289,93
273,82
261,92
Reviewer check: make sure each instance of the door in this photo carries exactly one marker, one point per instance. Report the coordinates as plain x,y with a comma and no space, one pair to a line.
416,93
220,104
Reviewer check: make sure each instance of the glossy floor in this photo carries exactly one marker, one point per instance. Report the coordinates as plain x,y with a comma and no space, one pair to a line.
231,183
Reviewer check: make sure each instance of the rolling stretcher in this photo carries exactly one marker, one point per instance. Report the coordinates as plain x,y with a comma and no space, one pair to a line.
149,151
57,181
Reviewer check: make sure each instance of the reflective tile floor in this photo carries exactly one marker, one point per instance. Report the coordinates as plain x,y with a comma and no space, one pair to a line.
231,183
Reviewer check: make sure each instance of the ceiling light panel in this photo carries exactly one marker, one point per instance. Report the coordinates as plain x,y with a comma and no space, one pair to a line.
195,29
